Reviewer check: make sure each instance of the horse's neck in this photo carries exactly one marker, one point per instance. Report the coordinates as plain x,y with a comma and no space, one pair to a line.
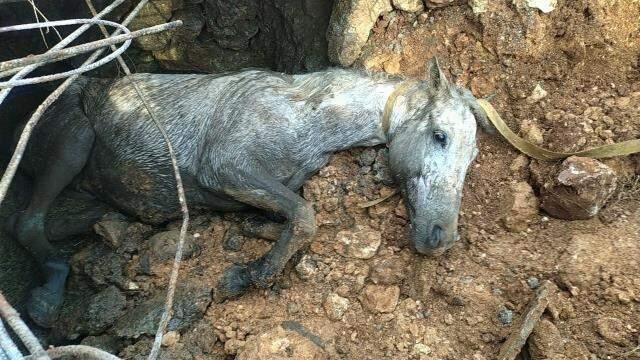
352,115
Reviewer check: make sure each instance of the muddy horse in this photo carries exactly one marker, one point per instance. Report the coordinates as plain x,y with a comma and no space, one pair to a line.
246,140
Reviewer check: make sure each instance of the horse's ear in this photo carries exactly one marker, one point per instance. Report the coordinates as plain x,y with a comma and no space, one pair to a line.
435,77
482,119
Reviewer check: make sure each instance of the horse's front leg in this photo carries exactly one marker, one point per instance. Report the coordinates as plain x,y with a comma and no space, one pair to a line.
261,191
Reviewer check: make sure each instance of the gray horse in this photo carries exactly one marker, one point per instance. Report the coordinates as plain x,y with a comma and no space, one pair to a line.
246,140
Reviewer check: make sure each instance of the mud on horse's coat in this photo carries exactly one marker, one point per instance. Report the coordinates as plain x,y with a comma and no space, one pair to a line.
246,140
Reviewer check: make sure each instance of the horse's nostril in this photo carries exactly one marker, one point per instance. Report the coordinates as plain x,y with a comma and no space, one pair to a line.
436,236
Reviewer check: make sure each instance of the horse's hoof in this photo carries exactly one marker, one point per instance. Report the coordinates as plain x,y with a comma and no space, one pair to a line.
44,306
235,281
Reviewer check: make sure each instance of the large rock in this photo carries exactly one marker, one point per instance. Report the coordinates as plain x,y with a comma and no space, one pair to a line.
522,206
380,299
349,27
153,13
279,343
360,243
578,191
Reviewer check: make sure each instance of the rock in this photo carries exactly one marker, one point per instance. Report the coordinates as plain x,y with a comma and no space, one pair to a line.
532,132
380,299
389,270
306,268
101,264
360,243
478,6
103,310
545,341
408,5
189,305
537,94
279,343
523,207
192,23
349,27
163,245
111,231
612,330
153,13
335,306
420,350
545,6
505,315
439,3
579,190
367,157
533,282
170,338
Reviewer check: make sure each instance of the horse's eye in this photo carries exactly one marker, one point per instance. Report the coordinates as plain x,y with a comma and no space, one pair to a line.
440,137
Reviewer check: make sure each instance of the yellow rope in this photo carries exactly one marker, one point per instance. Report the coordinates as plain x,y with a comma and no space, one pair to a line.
619,149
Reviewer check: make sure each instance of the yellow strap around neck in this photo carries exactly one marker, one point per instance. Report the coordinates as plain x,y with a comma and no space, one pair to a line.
388,106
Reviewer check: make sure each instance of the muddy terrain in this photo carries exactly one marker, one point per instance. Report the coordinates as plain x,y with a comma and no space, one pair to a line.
566,78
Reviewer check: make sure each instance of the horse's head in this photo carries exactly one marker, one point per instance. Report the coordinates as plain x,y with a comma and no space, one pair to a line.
432,141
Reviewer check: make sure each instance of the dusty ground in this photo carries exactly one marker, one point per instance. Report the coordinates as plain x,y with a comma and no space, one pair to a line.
458,306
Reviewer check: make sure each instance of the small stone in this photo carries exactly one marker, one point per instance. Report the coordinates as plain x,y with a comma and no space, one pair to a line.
478,6
102,311
408,5
279,343
170,338
533,282
537,94
381,299
164,245
545,341
367,157
111,231
505,315
546,6
234,346
612,330
189,306
438,3
580,189
306,268
335,306
388,270
360,243
421,349
448,319
532,132
523,207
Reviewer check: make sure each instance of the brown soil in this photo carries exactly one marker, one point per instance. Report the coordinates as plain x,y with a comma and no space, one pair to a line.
585,56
